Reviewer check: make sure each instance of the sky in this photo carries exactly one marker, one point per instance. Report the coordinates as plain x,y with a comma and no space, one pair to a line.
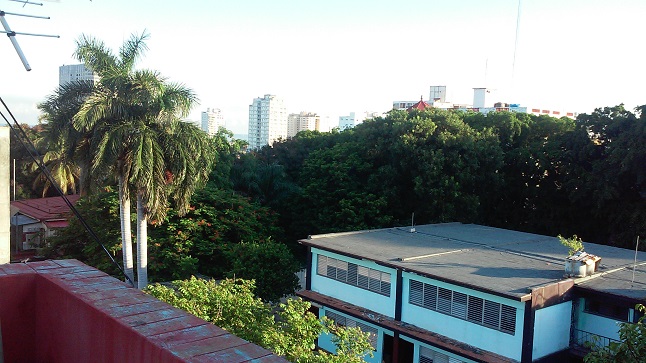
334,57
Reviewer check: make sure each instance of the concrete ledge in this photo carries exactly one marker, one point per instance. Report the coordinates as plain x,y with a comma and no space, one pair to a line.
64,312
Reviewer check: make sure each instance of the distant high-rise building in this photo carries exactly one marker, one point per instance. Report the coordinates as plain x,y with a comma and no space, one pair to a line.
267,121
212,120
352,120
480,97
438,94
347,122
297,122
75,72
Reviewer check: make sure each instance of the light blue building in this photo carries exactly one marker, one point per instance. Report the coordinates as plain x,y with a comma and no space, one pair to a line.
468,293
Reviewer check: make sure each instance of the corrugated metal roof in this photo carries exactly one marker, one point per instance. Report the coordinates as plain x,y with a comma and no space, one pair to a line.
44,209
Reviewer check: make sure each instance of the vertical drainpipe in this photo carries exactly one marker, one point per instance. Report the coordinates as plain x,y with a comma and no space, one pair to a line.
5,214
398,313
528,333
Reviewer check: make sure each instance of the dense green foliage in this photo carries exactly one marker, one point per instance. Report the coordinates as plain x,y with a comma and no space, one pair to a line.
631,348
287,329
222,235
518,171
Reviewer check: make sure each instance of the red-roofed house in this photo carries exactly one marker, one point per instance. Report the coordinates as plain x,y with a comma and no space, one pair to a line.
421,105
33,220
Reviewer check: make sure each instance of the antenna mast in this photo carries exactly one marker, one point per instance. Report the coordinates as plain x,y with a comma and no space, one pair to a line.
12,34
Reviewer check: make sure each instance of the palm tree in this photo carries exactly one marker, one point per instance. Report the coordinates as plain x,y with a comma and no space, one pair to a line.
64,171
108,106
67,149
179,157
135,118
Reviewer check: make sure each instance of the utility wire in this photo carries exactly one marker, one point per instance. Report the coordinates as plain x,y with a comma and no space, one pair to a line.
38,159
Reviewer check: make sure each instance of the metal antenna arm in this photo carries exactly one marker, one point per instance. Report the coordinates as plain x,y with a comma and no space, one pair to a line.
12,37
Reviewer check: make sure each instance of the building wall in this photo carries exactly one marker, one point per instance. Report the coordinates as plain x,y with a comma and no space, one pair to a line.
437,93
297,122
347,122
596,324
354,295
462,330
552,329
267,121
75,72
5,213
212,120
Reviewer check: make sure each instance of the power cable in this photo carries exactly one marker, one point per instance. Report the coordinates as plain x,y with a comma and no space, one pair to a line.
33,152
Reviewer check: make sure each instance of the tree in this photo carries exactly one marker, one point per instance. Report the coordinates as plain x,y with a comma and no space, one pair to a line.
107,107
631,348
287,329
101,212
24,176
134,115
67,153
269,263
223,235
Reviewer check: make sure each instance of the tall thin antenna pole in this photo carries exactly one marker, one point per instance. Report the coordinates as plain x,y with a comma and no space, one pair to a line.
513,64
486,71
14,179
635,264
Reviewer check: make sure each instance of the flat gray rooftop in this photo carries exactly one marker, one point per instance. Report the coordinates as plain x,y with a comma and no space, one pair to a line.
504,262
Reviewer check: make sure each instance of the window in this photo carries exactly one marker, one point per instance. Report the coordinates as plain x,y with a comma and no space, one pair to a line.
416,293
475,307
606,309
491,316
427,355
444,300
430,297
463,306
507,319
341,320
355,275
459,306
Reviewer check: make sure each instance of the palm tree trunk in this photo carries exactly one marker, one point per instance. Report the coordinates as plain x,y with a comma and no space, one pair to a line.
142,245
84,180
126,230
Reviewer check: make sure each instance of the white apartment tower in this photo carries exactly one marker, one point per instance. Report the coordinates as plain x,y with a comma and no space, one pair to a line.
212,119
267,121
75,72
297,122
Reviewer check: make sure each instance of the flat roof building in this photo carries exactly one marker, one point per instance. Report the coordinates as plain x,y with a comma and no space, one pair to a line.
457,292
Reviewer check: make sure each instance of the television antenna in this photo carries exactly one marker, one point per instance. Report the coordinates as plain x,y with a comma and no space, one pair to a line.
12,34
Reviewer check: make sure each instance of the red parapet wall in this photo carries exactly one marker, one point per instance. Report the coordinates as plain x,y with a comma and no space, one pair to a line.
66,312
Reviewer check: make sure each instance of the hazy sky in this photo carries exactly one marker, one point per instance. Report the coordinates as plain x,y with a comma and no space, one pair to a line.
334,57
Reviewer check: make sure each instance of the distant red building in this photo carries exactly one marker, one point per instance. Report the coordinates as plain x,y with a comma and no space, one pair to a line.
33,220
421,105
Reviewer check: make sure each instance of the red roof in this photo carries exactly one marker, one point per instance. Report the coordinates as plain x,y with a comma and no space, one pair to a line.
45,209
421,105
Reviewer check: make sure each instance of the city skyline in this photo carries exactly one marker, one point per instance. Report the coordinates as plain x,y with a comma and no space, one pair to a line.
334,57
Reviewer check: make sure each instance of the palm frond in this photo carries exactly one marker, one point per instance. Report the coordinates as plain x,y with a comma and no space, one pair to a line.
94,54
132,50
